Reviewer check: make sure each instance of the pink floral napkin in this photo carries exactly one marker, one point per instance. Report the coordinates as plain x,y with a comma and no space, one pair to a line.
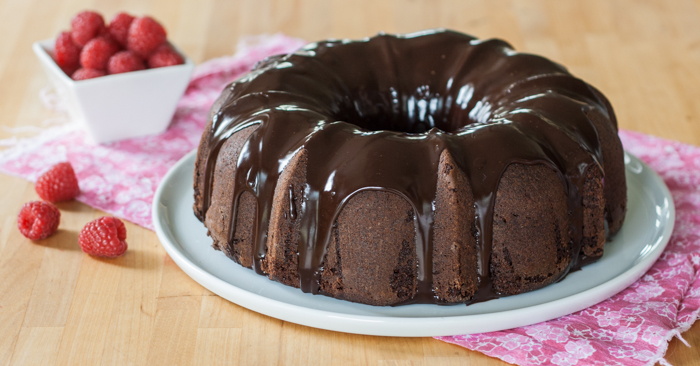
631,328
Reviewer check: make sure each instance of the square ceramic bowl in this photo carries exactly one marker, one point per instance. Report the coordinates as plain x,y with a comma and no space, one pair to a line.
120,106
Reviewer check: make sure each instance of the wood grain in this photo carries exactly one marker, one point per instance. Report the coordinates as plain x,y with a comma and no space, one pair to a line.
61,307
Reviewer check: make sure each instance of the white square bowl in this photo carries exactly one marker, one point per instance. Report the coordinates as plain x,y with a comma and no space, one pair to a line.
119,106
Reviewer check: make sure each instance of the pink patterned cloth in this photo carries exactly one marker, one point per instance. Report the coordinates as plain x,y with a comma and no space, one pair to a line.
631,328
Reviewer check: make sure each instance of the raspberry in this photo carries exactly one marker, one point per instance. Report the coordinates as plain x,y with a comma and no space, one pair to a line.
38,220
164,56
119,27
96,53
145,35
124,61
83,74
67,53
103,237
58,184
86,25
104,33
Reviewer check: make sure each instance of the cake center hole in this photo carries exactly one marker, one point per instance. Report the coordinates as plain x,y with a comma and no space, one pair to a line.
416,111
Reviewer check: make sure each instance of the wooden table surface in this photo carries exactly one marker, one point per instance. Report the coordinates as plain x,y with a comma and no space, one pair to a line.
61,307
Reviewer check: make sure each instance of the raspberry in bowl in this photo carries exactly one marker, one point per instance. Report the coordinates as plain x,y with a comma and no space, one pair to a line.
120,79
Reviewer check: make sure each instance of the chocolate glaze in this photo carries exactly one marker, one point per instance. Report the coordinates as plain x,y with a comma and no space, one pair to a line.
376,114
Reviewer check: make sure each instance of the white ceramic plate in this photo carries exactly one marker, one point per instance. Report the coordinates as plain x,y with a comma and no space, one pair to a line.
633,250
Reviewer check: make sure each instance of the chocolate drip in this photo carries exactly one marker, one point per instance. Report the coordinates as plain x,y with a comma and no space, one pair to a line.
376,114
292,206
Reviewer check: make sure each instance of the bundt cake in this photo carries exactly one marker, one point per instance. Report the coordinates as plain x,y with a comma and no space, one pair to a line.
430,167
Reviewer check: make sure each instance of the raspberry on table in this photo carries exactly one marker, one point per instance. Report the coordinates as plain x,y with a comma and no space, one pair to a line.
119,27
163,56
104,237
84,74
124,61
67,53
97,52
38,220
145,35
86,25
58,183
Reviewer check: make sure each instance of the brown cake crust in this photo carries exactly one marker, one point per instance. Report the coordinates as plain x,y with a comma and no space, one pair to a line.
531,238
372,258
218,219
455,272
613,161
593,239
503,191
202,154
281,261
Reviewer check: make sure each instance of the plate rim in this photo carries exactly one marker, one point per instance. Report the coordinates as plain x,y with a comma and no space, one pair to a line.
403,326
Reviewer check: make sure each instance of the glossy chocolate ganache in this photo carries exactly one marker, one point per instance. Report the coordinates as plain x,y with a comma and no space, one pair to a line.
391,114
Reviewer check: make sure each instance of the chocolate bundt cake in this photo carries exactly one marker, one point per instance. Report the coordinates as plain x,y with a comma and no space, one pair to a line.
423,168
